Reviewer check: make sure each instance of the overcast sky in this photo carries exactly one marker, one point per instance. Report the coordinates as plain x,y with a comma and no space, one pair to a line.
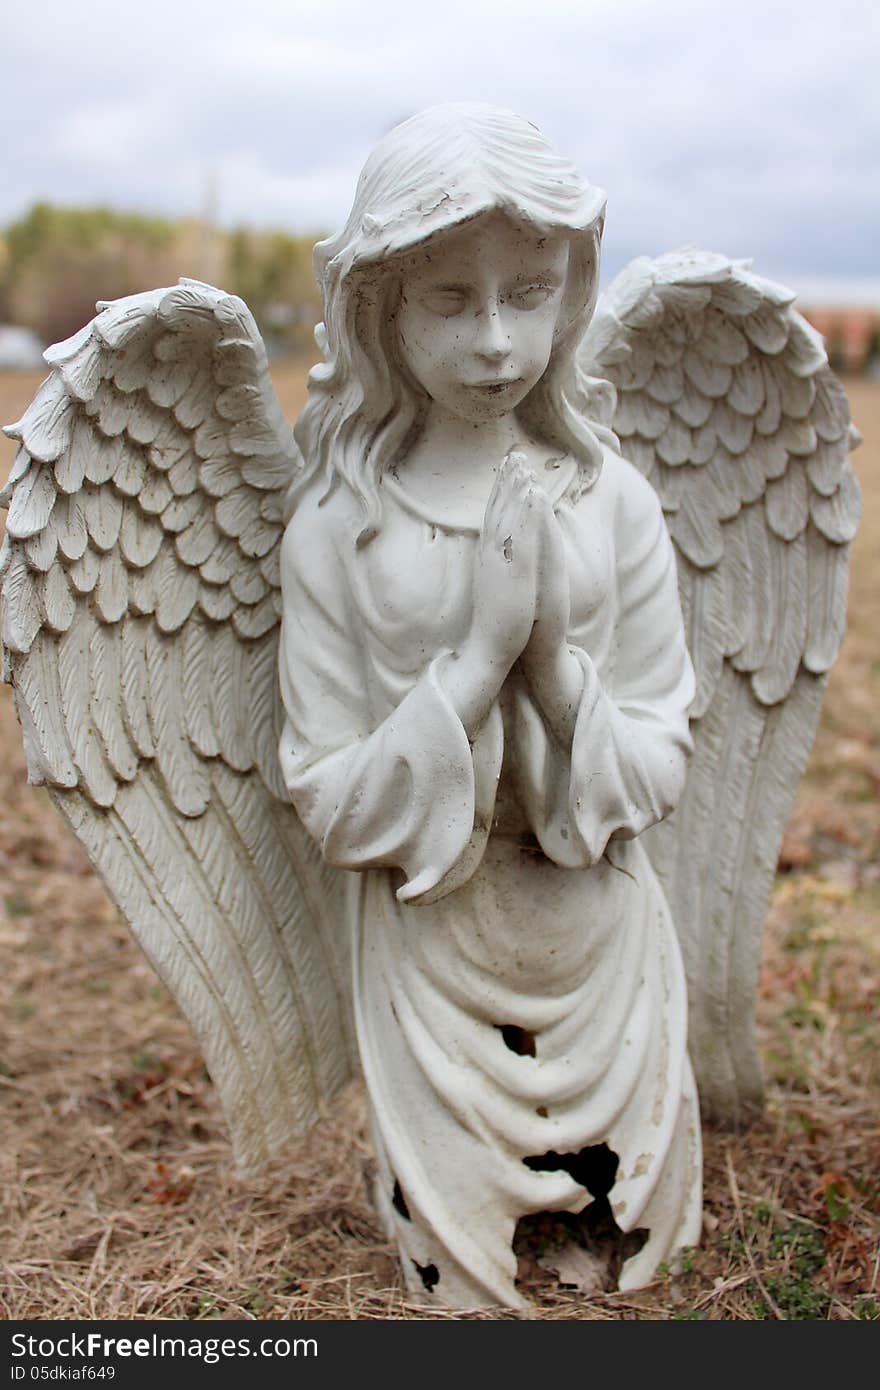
751,127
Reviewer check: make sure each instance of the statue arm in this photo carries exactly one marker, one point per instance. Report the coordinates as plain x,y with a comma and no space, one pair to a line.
403,789
616,764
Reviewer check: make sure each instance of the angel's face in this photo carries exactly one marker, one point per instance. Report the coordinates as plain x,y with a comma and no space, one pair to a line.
478,313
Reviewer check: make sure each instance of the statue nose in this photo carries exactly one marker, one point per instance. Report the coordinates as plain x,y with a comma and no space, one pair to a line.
493,341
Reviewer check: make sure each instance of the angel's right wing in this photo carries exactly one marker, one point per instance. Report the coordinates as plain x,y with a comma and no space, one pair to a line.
141,607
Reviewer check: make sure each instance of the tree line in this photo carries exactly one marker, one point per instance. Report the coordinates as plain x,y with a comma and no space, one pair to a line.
56,262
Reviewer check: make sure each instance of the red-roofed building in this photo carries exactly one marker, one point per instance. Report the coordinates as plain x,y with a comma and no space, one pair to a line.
852,335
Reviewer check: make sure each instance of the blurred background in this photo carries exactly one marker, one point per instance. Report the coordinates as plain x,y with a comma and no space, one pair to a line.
218,139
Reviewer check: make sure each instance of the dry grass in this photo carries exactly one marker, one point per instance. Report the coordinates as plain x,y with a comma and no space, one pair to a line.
118,1198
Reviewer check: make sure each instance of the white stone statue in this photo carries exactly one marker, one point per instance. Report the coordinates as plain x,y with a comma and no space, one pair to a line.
487,692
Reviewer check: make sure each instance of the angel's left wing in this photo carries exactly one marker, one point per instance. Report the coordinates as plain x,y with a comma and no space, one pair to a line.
726,403
141,608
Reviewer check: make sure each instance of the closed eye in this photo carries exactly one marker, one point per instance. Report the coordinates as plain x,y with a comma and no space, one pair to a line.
446,300
531,296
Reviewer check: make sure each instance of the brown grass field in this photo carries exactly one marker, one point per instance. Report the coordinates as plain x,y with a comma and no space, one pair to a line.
118,1195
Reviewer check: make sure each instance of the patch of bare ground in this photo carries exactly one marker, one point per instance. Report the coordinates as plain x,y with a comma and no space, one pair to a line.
117,1194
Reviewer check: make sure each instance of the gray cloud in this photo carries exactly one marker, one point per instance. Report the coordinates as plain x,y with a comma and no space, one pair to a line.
751,129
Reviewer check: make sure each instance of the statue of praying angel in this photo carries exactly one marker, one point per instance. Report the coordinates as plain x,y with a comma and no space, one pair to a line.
454,731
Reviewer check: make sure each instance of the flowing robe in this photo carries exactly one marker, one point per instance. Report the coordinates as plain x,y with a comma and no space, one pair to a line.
518,988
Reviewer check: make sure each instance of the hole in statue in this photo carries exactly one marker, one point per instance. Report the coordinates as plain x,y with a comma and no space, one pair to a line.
519,1040
429,1275
547,1234
398,1201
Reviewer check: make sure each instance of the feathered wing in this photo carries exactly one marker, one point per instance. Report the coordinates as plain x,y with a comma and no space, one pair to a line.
141,605
725,401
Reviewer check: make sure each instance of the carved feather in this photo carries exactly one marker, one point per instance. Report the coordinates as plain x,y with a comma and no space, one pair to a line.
747,394
830,413
102,509
825,467
170,446
156,493
805,350
786,502
754,651
770,415
182,511
183,772
106,701
41,550
197,401
217,602
256,621
797,394
133,365
20,465
712,379
146,421
131,471
264,704
230,713
826,605
45,427
248,584
199,540
57,606
220,476
184,475
270,567
838,516
140,537
88,755
721,340
38,705
693,406
22,617
706,635
32,503
84,571
696,532
773,681
134,685
177,591
211,439
259,537
675,445
111,409
111,590
767,328
198,676
70,468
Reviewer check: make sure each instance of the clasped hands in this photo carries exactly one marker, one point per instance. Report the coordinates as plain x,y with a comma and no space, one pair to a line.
521,603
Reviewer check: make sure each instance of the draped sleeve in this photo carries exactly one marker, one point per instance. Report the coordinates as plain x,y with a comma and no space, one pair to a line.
397,787
625,769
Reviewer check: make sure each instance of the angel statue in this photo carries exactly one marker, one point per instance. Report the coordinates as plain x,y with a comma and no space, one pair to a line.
537,575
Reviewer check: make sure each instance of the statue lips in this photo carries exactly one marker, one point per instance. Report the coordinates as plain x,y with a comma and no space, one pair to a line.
496,387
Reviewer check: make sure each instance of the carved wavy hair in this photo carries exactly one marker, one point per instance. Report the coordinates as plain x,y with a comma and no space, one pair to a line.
446,166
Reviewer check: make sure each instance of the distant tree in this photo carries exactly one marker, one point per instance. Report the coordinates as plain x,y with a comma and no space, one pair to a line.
61,260
272,272
56,262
